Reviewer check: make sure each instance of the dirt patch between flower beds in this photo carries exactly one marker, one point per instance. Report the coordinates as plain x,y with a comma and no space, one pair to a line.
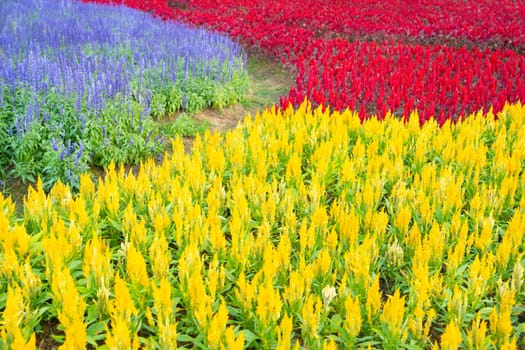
268,81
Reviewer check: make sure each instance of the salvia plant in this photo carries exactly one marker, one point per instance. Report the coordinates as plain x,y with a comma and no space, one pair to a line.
83,84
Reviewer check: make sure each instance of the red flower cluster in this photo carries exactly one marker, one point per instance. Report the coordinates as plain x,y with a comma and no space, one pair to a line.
446,58
467,22
439,81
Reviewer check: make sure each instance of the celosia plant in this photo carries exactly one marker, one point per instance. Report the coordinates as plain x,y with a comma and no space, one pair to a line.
302,228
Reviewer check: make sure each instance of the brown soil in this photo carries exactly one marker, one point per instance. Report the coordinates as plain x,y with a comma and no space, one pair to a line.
43,339
222,120
17,190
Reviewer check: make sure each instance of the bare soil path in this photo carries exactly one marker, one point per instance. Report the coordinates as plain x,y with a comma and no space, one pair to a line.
268,81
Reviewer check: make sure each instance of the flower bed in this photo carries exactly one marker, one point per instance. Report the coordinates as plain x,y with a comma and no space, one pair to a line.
482,23
301,228
375,57
84,84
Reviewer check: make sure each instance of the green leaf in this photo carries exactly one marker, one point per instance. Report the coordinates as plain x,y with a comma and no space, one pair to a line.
92,313
336,321
185,338
249,337
96,332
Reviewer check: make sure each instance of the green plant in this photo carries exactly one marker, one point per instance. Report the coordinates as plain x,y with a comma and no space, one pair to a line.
184,125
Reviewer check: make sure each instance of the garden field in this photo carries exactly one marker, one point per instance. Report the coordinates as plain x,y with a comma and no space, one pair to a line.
380,204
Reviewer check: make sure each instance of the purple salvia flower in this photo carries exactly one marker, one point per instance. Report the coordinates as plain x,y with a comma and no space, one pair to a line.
70,148
79,154
184,101
54,145
83,121
63,154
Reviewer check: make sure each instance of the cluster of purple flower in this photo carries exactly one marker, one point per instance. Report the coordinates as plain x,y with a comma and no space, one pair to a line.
94,52
67,60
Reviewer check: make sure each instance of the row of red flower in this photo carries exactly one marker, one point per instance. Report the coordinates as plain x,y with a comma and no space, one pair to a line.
375,56
471,21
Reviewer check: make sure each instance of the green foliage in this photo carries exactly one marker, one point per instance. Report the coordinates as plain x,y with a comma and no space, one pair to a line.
184,125
122,137
194,93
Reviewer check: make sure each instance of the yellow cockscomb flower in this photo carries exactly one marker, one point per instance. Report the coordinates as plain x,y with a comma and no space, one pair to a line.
393,313
353,319
310,314
451,337
373,299
269,304
136,267
284,333
477,335
160,257
97,261
122,305
233,342
14,320
217,328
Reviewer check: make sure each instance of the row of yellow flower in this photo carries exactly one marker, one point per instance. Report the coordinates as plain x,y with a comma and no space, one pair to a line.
299,229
